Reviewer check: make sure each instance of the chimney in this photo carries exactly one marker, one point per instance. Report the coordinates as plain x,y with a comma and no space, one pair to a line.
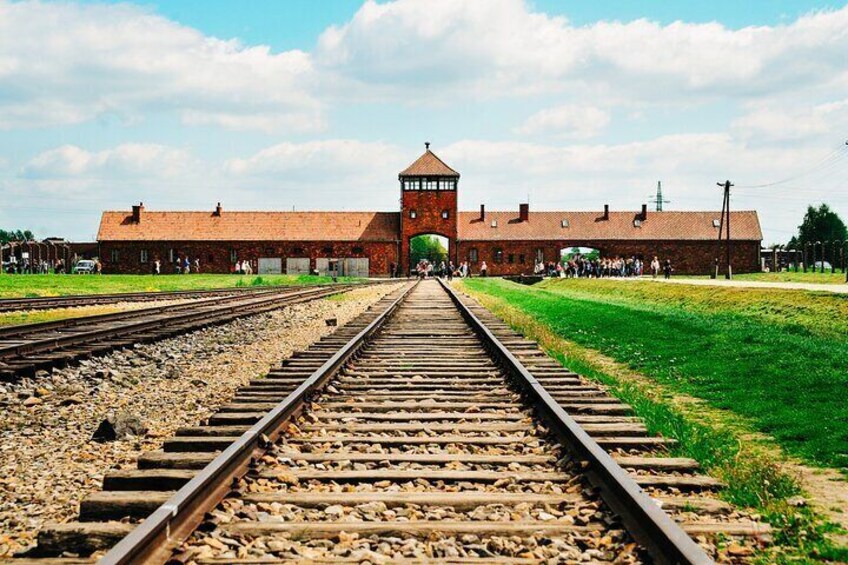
644,215
218,210
136,212
606,211
482,212
524,212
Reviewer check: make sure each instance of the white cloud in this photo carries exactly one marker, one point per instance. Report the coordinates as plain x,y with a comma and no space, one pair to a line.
322,161
501,47
64,63
131,160
568,121
783,121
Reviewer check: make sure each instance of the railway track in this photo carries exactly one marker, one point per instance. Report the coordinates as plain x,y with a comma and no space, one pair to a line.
51,302
424,431
27,348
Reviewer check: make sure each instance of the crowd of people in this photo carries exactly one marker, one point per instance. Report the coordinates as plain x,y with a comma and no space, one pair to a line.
14,266
425,269
579,266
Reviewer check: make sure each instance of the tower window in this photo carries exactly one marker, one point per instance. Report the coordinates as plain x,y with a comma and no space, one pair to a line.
445,214
413,214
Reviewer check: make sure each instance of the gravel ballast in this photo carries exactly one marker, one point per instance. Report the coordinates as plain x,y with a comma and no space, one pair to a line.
48,461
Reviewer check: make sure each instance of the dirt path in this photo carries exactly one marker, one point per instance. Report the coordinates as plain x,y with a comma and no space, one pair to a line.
835,288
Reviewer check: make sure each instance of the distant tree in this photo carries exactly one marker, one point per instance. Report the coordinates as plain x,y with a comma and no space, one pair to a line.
820,224
427,246
15,235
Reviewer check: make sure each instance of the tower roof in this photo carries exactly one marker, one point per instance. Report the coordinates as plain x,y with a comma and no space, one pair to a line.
428,165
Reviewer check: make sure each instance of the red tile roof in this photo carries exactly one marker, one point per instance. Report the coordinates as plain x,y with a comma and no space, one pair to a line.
250,226
744,225
429,165
384,226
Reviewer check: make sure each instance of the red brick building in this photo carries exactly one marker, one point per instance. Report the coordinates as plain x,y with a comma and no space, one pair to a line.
370,243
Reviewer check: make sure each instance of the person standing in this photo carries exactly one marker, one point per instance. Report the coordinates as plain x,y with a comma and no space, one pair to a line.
197,265
484,269
667,269
655,267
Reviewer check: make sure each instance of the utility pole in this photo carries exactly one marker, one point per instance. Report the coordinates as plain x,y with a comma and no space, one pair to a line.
725,221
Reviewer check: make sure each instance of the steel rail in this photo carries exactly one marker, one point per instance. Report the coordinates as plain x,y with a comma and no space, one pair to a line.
20,329
75,300
649,525
154,539
210,307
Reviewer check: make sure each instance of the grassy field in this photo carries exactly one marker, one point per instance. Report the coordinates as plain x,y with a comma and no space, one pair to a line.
776,358
17,286
792,276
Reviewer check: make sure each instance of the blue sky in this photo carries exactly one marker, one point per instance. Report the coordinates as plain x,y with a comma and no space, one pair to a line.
317,105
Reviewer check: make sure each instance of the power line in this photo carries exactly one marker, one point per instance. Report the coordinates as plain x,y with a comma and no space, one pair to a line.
830,161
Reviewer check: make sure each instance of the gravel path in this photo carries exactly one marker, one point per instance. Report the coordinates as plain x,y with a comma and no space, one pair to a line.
47,459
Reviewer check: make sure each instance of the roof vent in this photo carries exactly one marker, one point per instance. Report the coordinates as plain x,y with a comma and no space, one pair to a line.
716,223
494,223
637,223
565,223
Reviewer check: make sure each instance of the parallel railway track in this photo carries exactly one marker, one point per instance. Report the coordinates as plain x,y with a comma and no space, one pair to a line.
424,431
27,348
52,302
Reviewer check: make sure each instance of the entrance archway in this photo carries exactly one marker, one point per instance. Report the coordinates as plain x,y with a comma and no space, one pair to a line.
431,247
588,253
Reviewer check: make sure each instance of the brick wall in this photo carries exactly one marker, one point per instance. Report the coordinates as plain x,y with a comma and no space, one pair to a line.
687,257
215,256
428,206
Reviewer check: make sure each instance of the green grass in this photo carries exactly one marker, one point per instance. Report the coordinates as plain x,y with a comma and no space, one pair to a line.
792,276
18,286
721,442
778,361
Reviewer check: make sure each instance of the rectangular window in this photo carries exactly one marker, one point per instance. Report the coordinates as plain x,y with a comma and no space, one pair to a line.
540,255
521,258
114,255
171,255
143,255
498,255
472,255
233,256
269,252
446,184
413,214
431,184
510,258
445,214
358,250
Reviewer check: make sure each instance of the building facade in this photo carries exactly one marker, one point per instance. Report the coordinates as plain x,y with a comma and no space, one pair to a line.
377,243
